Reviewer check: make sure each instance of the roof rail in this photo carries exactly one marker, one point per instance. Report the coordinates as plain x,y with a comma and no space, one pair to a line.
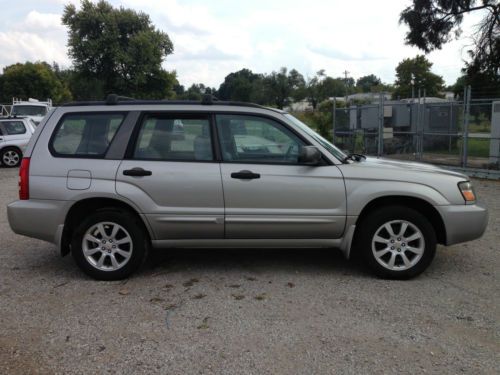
31,101
114,99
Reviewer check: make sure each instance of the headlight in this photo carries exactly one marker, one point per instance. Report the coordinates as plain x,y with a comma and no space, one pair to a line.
467,191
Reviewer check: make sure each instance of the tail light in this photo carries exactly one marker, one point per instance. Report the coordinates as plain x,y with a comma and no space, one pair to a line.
24,183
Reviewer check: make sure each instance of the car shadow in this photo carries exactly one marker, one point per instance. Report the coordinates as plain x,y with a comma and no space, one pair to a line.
250,260
217,261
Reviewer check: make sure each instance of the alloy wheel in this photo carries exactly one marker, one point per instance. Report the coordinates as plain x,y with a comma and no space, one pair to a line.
398,245
107,246
11,158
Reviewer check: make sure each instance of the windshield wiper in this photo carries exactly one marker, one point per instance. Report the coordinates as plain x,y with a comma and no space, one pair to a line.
353,156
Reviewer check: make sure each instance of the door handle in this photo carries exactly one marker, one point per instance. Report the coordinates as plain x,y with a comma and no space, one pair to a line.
245,175
137,172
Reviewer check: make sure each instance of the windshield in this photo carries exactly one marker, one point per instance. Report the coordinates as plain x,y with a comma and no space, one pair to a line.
29,110
318,138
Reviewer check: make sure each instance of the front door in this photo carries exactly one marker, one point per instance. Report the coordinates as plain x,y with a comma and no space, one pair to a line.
171,173
267,193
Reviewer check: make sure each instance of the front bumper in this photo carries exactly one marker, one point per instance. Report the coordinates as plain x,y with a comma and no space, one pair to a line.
41,219
463,222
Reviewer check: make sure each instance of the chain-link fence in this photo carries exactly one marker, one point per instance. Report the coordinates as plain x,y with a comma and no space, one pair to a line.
463,133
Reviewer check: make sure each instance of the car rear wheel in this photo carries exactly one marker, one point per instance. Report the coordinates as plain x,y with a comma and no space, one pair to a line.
109,245
11,157
396,242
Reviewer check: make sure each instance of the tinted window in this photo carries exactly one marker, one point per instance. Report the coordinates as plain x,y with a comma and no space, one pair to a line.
13,127
174,138
29,110
85,135
257,139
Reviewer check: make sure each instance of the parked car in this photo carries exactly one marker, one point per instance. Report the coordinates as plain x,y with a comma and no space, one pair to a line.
107,181
15,133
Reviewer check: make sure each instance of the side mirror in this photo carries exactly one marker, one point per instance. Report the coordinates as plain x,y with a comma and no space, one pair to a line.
309,155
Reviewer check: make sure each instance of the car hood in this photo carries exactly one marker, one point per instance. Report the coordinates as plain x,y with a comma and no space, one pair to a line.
410,166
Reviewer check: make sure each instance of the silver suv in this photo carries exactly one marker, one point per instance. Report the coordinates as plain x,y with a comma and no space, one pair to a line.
15,133
107,181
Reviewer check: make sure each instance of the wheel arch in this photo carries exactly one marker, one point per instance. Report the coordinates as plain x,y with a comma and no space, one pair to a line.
86,206
6,147
418,204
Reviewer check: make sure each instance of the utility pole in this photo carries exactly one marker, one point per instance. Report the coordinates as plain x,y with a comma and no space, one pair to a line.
412,87
465,130
345,83
333,118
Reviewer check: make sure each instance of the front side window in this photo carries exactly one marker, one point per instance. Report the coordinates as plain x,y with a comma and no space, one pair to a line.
318,138
171,138
85,134
253,139
14,127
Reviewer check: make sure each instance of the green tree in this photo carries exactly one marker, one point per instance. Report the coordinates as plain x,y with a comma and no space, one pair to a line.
417,72
298,85
239,86
331,87
321,87
367,83
313,88
32,80
117,50
433,23
284,86
195,92
482,85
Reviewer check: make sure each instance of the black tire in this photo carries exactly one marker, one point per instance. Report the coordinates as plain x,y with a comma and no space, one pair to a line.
372,223
131,224
6,152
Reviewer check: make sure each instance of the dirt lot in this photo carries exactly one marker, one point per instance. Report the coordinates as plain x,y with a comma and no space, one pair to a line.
249,311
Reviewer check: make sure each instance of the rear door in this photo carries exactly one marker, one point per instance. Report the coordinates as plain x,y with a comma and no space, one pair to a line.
267,193
171,173
74,165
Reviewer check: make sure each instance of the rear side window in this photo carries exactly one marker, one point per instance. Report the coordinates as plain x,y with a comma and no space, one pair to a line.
170,138
14,127
85,134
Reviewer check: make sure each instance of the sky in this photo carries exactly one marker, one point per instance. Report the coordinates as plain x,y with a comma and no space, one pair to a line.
214,38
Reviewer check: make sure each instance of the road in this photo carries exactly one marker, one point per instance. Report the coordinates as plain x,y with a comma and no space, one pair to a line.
249,311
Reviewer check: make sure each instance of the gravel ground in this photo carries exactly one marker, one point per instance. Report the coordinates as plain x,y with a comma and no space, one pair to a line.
249,311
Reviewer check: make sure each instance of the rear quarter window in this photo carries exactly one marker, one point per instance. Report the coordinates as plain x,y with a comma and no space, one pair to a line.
85,134
14,127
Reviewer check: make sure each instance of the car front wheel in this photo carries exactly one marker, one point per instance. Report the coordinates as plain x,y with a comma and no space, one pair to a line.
396,242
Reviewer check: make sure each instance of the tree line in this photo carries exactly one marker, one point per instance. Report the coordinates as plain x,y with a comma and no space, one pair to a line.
118,50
